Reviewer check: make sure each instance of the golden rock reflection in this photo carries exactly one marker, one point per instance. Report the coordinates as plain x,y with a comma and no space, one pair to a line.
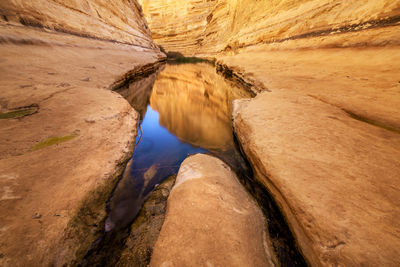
194,103
184,109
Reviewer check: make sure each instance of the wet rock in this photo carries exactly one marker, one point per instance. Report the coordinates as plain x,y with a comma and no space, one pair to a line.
146,227
211,220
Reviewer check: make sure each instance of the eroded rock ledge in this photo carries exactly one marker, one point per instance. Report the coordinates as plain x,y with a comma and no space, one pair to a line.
335,178
60,161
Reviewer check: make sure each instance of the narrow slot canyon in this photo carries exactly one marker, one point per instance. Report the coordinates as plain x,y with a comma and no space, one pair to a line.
199,133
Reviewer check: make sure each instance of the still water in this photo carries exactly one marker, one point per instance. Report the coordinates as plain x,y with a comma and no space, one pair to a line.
184,109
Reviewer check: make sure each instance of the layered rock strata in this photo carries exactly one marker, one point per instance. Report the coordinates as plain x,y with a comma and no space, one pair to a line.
199,27
211,220
115,21
65,135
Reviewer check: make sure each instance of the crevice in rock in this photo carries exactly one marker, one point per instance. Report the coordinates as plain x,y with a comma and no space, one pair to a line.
372,122
137,73
133,245
246,83
284,244
361,118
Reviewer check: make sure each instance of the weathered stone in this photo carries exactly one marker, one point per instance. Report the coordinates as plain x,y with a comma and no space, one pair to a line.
335,178
211,220
56,160
116,21
194,27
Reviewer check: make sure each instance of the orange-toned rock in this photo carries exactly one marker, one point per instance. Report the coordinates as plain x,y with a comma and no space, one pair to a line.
335,178
209,27
61,157
118,21
211,220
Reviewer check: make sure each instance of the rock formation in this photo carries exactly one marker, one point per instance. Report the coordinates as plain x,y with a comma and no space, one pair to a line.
65,135
323,135
199,27
211,220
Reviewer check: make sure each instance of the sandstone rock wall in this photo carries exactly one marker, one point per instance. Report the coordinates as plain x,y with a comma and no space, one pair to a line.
323,136
207,27
120,21
60,161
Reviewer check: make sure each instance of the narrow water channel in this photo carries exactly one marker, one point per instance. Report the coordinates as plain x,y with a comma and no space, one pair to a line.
187,111
184,109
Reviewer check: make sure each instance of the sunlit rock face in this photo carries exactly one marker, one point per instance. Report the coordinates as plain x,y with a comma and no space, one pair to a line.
59,58
120,21
207,27
200,91
323,139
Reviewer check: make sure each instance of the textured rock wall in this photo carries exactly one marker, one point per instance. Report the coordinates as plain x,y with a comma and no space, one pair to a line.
60,162
323,136
207,27
120,21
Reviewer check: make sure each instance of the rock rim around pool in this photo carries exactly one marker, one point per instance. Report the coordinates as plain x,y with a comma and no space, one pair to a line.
211,220
335,178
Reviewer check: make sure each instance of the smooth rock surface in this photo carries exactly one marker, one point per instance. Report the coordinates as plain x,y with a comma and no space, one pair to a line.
362,81
59,164
211,220
336,179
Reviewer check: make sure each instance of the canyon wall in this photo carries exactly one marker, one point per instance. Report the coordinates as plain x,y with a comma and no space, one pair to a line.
65,135
322,134
120,21
200,27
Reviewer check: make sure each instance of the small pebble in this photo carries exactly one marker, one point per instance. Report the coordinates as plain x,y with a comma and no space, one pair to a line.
36,216
90,121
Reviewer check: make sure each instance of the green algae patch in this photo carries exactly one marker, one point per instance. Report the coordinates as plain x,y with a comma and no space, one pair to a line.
54,141
18,113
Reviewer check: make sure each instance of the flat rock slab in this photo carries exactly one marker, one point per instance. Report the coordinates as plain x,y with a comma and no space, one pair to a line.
364,81
211,220
336,179
60,162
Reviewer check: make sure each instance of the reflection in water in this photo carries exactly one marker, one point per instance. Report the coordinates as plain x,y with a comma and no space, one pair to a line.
194,104
189,112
